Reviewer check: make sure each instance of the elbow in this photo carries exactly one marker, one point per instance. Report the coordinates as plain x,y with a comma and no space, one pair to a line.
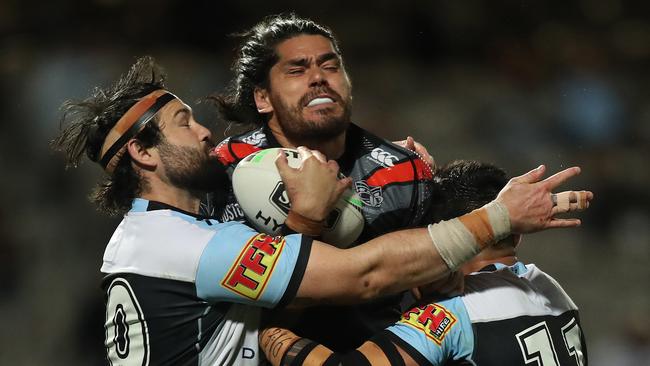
372,286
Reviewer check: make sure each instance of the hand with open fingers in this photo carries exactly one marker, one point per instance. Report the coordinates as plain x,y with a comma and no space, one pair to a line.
418,148
532,205
313,188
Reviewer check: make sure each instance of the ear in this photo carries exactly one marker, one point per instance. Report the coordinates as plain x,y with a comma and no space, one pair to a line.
262,101
142,156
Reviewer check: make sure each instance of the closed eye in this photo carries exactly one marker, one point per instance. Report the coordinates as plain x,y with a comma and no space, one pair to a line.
295,71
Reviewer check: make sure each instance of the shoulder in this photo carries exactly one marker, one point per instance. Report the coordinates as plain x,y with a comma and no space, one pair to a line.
439,331
368,141
234,148
549,286
394,159
529,293
436,320
160,243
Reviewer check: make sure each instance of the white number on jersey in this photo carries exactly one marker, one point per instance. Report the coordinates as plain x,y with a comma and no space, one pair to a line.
572,334
536,344
126,330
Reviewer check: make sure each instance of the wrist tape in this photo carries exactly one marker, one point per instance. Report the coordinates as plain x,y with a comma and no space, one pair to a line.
298,352
459,239
304,225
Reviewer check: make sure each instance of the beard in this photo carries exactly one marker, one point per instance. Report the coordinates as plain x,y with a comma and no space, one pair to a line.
191,168
298,128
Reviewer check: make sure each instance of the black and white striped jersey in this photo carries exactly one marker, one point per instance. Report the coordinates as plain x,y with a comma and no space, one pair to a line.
183,290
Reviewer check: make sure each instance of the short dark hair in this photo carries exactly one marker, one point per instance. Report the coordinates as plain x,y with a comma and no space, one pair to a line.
256,55
86,123
464,185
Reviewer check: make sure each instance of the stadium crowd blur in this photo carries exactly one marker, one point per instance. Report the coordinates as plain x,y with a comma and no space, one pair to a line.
516,83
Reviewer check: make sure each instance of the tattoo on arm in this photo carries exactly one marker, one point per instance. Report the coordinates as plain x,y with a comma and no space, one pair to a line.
275,342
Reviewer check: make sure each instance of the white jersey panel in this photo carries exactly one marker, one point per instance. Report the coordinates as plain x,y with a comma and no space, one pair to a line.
235,342
529,292
147,243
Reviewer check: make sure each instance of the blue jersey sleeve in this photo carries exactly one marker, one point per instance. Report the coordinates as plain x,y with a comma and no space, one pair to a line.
438,332
241,265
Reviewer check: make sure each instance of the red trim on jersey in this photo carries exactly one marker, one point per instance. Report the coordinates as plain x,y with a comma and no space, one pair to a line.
400,173
423,169
240,150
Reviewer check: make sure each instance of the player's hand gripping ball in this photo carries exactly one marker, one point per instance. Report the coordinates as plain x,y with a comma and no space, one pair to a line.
263,199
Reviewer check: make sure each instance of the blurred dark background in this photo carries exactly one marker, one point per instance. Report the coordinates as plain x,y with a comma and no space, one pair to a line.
516,83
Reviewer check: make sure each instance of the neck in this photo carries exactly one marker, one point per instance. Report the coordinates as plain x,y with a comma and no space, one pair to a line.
477,264
332,148
504,255
173,196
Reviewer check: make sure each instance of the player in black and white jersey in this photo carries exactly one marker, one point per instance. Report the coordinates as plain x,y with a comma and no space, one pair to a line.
182,289
290,82
510,313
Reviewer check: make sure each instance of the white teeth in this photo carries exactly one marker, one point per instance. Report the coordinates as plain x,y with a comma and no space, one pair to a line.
318,101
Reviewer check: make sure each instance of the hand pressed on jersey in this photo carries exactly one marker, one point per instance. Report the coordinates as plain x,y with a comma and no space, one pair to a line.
419,149
313,188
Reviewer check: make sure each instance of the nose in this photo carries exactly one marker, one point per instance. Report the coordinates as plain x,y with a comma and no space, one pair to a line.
202,132
317,77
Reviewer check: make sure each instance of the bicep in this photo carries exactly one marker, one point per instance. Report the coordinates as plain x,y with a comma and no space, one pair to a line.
332,275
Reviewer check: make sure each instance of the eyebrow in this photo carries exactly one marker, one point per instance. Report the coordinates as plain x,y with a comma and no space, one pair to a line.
304,61
326,57
182,110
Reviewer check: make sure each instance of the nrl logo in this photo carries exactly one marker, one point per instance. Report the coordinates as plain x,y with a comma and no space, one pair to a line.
371,196
382,157
255,139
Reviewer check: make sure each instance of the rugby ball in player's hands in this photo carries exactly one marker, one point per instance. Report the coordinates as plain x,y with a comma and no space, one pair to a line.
261,195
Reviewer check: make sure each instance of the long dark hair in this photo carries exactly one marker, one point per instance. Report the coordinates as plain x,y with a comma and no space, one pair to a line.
256,55
85,124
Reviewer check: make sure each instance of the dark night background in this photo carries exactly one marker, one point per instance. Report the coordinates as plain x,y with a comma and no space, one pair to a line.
516,83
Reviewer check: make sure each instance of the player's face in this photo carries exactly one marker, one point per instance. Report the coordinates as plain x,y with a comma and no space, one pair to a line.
309,90
185,150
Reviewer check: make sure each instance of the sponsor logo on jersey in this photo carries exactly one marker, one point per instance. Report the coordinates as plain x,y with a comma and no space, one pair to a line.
371,196
254,266
257,138
434,320
232,212
382,157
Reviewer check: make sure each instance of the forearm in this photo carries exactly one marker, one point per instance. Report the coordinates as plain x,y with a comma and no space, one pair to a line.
282,347
394,262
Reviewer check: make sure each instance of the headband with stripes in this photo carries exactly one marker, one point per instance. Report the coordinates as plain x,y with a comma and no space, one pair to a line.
132,122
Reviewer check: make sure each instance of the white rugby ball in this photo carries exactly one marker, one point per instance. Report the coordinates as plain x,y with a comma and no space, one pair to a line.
261,195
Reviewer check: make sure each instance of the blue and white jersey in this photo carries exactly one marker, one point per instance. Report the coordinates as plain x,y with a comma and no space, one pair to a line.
514,315
183,290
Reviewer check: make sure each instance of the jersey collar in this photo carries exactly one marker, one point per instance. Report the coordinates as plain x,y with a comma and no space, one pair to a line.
143,205
518,268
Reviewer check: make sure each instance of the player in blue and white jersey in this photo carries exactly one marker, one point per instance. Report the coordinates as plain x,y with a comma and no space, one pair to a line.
182,289
510,313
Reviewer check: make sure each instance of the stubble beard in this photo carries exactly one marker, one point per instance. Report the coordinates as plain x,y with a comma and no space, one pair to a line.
191,168
298,129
